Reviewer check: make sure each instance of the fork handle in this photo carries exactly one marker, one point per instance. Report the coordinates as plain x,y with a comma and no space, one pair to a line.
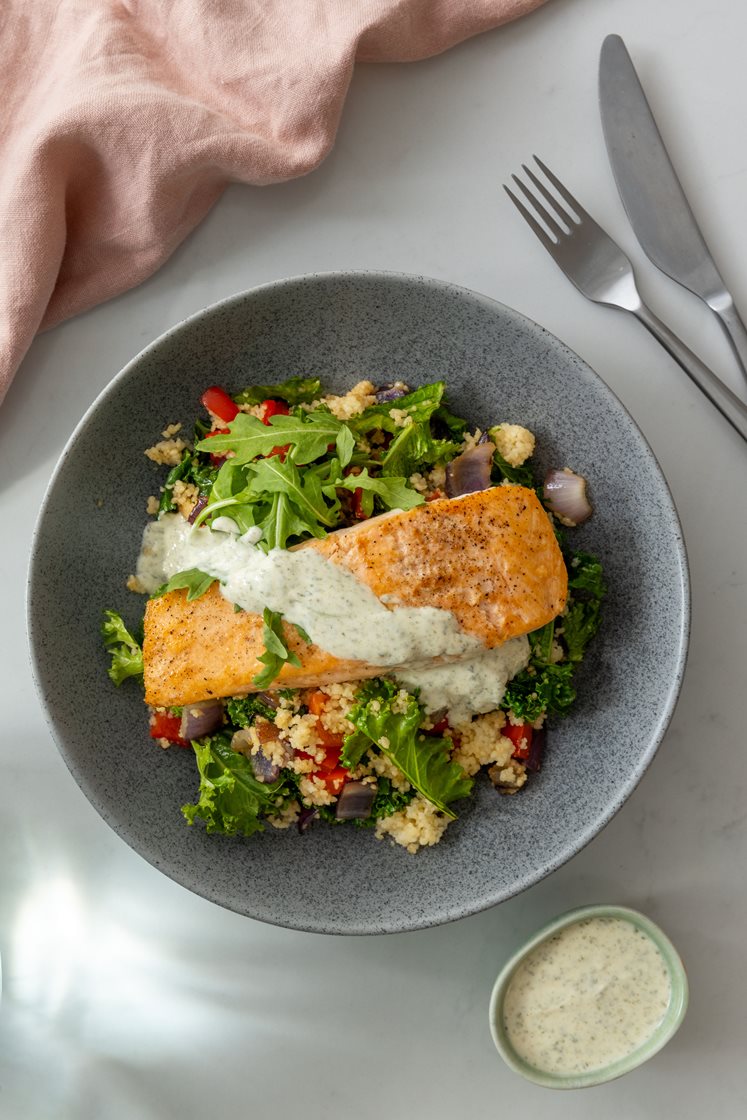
729,405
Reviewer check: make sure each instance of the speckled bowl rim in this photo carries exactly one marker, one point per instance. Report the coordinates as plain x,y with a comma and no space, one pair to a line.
666,1030
448,913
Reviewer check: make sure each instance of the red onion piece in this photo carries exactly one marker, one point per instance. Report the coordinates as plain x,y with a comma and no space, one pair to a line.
391,392
533,761
305,817
197,509
565,494
200,719
355,801
470,471
265,770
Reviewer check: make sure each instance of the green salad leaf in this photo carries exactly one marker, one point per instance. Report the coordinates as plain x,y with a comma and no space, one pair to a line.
195,582
413,448
420,405
125,652
272,476
230,800
276,652
453,424
309,434
394,493
296,390
423,759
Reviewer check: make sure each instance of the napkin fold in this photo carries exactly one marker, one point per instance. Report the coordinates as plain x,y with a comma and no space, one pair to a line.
125,119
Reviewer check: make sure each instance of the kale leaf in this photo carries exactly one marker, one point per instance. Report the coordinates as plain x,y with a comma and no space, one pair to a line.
243,710
540,689
583,611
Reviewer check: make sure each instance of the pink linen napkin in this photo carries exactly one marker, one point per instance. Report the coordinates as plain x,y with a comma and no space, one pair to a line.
125,119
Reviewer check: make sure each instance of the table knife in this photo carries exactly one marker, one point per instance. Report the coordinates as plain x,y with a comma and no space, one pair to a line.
652,194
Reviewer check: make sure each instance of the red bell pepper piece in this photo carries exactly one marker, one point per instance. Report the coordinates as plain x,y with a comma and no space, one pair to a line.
217,401
216,460
520,735
268,409
163,725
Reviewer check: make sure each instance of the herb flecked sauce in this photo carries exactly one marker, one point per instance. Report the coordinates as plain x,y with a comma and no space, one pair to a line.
588,996
340,614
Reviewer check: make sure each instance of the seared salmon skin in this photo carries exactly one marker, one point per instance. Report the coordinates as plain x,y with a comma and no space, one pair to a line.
491,558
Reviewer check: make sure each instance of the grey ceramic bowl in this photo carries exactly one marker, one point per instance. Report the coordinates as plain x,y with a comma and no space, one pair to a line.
498,366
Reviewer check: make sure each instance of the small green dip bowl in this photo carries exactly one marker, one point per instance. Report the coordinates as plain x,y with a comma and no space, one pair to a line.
658,1038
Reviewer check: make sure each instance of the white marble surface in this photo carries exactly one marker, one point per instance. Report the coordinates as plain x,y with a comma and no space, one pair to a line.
126,997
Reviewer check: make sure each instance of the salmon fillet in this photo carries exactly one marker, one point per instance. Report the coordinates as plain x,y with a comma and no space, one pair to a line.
491,558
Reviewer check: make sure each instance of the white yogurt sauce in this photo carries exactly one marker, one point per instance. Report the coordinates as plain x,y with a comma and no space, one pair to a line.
588,996
338,612
475,684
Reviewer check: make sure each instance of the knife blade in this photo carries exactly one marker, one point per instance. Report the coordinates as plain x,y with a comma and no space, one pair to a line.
652,194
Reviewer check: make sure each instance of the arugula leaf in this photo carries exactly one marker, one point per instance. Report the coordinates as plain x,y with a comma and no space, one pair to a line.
248,438
296,390
230,799
126,654
394,493
388,800
305,492
243,710
414,447
420,405
276,652
195,581
522,476
423,759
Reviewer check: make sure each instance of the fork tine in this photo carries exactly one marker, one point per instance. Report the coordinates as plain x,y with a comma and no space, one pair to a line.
559,210
530,220
546,216
564,193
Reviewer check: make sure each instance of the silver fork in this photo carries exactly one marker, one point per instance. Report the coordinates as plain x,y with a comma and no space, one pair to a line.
602,272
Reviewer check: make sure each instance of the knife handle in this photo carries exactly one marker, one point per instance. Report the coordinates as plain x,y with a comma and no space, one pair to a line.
729,405
727,312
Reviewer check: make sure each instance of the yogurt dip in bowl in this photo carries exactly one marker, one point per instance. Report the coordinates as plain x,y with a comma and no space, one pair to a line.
590,997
